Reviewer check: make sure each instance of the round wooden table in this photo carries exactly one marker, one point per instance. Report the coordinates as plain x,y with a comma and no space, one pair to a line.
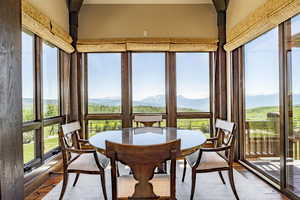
191,141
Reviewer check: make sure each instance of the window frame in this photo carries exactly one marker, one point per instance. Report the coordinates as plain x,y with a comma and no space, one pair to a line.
201,115
127,115
40,122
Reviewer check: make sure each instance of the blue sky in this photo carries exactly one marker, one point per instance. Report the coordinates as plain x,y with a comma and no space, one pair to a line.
262,63
148,75
49,63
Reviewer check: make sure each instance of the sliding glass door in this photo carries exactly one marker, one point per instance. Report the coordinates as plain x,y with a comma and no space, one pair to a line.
292,161
262,117
269,119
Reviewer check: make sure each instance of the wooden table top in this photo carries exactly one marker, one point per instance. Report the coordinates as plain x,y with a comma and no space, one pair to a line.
190,140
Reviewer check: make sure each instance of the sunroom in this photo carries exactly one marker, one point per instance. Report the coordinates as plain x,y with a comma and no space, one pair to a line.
149,99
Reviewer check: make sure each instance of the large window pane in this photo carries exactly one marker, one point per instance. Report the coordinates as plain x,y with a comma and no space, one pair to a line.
51,137
293,135
202,125
148,82
193,82
28,146
97,126
50,81
262,134
104,83
27,77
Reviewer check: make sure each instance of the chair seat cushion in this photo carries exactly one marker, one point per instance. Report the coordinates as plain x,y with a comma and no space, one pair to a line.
209,160
161,185
87,162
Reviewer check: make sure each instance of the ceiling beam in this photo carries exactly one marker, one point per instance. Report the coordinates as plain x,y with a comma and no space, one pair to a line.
221,5
74,5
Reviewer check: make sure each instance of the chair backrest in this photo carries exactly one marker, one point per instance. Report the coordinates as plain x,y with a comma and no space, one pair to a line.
147,120
226,136
143,160
69,138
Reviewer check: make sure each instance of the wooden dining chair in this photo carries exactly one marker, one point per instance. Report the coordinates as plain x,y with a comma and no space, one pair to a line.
143,160
216,159
147,120
78,160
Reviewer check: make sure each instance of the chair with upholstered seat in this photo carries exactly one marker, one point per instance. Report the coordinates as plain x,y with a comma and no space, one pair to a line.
143,160
216,159
147,120
79,160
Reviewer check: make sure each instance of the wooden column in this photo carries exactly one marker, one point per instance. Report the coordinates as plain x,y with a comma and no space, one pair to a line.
76,64
11,151
220,70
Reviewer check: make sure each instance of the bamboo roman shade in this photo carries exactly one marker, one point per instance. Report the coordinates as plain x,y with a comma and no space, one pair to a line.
147,44
40,24
266,17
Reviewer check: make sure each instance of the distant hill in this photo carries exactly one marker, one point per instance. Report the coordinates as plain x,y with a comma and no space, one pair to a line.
28,101
267,100
183,102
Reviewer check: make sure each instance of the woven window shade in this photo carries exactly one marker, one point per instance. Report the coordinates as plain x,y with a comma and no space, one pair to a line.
147,44
266,17
38,23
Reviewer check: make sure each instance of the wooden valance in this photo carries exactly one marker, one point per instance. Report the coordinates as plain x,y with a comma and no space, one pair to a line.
266,17
40,24
147,44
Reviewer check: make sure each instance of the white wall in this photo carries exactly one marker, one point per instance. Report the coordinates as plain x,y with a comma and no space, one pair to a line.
118,21
57,10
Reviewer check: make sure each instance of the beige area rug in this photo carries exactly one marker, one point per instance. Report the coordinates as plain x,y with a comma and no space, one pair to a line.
208,187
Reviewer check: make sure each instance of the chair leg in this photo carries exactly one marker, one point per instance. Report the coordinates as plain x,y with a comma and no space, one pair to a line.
184,170
230,174
222,178
76,179
102,175
193,183
118,171
65,183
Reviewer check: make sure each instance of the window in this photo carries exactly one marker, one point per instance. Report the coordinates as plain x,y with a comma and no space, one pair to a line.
50,81
51,137
41,100
193,91
148,82
104,82
28,146
193,82
28,77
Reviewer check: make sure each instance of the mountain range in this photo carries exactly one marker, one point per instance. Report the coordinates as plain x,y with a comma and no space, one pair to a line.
201,104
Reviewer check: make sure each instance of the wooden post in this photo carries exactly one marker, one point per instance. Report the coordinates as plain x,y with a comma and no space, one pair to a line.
76,111
220,70
11,148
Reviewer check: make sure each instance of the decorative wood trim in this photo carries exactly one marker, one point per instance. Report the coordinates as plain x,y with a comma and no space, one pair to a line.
192,47
147,44
266,17
38,23
147,47
101,48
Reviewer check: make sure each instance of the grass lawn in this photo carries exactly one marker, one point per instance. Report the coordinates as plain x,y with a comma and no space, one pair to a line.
50,143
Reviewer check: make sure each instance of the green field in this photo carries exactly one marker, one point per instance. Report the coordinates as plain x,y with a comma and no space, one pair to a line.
256,117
